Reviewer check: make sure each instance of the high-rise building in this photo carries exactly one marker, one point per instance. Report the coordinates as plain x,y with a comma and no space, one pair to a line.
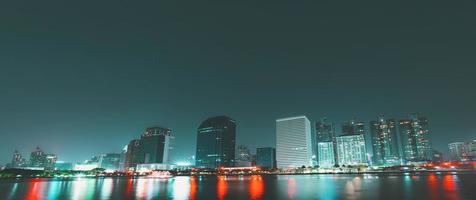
131,160
37,158
326,154
216,142
243,156
415,139
325,130
50,160
266,157
351,150
155,146
293,142
384,142
437,156
353,127
17,160
457,151
109,161
325,133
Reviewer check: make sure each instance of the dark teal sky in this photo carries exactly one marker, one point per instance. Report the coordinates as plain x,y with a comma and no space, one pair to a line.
79,78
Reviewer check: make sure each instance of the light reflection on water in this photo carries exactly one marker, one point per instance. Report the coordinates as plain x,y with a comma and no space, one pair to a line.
403,186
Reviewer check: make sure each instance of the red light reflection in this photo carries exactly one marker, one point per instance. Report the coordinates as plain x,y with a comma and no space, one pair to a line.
222,187
193,188
291,188
256,187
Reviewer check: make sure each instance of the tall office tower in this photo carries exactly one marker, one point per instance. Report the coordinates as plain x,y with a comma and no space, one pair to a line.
17,160
131,161
351,150
384,142
37,158
243,153
458,151
110,161
415,138
216,142
293,142
155,146
353,127
266,157
325,131
471,146
326,154
437,156
50,160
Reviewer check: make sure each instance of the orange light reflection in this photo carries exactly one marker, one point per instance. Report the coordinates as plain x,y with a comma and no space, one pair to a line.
256,187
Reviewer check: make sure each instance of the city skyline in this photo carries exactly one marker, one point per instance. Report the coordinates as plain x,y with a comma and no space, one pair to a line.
78,84
358,127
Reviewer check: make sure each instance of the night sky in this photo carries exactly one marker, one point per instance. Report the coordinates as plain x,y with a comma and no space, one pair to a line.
80,78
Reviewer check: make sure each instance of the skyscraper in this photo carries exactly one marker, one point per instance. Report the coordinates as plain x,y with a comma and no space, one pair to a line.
384,142
325,131
351,150
109,161
154,146
457,151
243,156
216,142
266,157
50,160
415,139
17,160
293,142
326,154
37,158
131,152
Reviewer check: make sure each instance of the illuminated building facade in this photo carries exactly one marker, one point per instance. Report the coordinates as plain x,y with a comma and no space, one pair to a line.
50,160
293,142
132,148
384,142
325,133
37,158
415,139
351,150
463,151
17,160
266,157
216,143
110,161
326,154
155,146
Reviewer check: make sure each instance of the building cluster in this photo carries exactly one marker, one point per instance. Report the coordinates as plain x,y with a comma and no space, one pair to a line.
388,142
463,151
382,142
38,160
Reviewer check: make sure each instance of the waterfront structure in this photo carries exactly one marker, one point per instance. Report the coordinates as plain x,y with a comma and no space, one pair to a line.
351,150
462,151
61,165
17,160
384,142
457,151
293,142
50,160
132,148
326,154
415,139
155,146
243,156
109,161
37,158
437,156
216,143
266,157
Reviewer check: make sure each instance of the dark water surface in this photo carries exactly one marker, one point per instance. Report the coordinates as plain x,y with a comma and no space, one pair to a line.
387,186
